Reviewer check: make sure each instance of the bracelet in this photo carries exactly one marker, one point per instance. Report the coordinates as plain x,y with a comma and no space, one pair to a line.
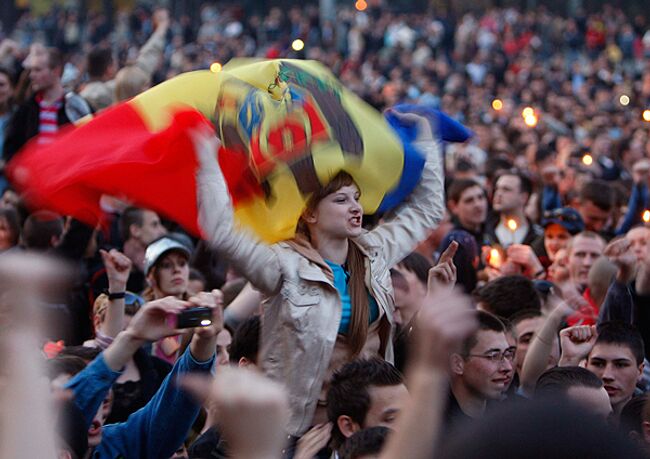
116,296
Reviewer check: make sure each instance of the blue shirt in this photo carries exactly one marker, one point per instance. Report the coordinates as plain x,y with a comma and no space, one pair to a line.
157,429
341,278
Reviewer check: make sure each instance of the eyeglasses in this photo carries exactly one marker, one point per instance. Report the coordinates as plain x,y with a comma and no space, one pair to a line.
132,303
497,356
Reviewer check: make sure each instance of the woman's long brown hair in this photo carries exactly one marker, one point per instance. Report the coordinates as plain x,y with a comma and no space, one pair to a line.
358,330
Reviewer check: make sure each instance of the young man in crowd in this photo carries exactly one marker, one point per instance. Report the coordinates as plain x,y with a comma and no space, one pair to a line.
584,249
467,202
511,193
507,295
524,325
578,385
481,372
596,205
49,108
362,394
617,359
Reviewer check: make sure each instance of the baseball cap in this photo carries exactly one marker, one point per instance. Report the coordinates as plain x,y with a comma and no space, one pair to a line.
567,217
160,247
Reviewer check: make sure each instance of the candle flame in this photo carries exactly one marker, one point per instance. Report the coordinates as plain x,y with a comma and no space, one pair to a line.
512,225
531,121
587,160
495,258
646,216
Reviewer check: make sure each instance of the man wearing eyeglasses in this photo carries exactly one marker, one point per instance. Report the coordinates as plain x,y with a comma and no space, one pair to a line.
481,372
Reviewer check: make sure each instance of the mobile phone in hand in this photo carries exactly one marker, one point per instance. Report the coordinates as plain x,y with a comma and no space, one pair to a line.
200,316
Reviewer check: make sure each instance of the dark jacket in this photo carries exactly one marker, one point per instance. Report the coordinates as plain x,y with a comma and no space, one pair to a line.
24,124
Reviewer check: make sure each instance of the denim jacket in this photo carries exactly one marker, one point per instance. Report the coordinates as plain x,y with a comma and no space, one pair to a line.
156,430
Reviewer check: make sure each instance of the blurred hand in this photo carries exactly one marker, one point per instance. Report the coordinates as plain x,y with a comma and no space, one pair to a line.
161,18
576,343
550,175
641,171
206,145
313,441
620,253
510,268
118,268
524,256
570,296
445,271
157,319
425,133
252,410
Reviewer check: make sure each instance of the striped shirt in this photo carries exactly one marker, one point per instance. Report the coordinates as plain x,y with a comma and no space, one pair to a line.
47,119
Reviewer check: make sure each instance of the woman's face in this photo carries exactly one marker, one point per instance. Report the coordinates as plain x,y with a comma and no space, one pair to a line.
556,237
337,215
6,236
172,274
559,271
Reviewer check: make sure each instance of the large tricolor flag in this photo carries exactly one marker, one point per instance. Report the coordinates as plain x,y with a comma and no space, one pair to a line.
286,127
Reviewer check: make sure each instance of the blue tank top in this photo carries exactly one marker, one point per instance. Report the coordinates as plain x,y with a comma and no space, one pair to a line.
341,278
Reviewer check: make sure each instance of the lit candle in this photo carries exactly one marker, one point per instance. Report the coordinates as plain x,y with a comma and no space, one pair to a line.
587,160
497,104
495,258
646,216
646,115
531,120
528,111
512,226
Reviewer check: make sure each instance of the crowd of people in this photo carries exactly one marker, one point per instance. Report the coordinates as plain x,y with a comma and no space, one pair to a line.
505,301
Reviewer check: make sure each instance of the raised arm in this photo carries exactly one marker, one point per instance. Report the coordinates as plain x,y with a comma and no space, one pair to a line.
256,261
423,209
160,427
118,267
537,356
151,52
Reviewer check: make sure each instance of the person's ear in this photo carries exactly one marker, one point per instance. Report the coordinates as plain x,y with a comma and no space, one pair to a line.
640,371
452,205
347,426
151,279
134,231
245,362
96,321
457,364
309,216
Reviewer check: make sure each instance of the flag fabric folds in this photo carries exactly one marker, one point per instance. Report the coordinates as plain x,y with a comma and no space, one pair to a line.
286,128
